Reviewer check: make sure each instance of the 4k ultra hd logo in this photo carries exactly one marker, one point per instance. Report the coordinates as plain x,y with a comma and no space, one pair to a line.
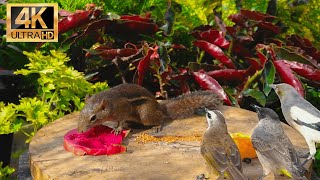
32,22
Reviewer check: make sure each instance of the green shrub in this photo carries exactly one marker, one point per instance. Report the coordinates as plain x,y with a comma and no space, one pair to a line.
5,171
61,90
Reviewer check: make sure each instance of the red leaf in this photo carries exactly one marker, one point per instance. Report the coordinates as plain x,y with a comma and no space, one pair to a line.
98,140
178,46
77,19
213,36
241,49
304,70
239,19
245,39
196,31
306,45
275,41
269,26
133,27
143,66
182,78
216,52
228,75
111,54
136,18
208,83
255,63
263,59
64,13
232,31
256,15
286,75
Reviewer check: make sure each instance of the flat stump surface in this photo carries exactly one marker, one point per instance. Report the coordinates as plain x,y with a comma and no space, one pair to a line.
147,160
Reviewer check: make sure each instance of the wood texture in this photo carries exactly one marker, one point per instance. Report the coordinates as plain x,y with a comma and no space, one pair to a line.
153,160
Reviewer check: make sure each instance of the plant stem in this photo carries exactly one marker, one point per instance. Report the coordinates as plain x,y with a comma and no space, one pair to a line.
200,57
52,97
230,48
25,132
251,79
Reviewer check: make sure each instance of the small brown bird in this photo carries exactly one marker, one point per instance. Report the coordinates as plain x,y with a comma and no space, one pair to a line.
218,148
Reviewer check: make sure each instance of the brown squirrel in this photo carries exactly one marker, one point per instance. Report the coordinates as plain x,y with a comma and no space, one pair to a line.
133,103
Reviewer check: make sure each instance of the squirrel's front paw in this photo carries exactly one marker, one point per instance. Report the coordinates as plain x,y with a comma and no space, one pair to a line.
116,131
157,128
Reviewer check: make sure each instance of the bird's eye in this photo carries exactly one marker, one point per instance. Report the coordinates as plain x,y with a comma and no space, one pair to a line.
209,115
93,118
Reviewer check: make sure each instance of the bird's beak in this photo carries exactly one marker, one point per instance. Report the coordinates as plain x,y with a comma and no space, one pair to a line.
217,112
273,86
205,109
257,108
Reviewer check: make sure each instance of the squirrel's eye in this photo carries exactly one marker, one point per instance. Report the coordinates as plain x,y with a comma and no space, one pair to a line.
93,118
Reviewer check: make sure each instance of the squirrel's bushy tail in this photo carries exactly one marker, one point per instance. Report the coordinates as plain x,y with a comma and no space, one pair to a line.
186,105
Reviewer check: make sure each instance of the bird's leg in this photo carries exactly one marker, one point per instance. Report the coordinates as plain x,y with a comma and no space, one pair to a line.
305,155
306,160
302,154
312,149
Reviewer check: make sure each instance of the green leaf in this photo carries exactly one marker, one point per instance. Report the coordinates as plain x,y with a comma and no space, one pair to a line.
2,104
269,74
45,71
164,57
5,171
231,92
317,156
17,124
7,119
257,95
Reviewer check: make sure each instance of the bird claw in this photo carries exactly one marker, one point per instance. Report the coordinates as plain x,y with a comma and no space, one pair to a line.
306,160
201,177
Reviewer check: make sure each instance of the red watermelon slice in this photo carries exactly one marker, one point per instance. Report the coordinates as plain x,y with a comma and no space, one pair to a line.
98,140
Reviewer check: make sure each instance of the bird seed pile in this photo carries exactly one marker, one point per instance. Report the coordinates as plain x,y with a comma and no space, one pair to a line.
145,138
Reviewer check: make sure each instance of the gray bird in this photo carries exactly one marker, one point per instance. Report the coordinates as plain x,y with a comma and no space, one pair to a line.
218,148
300,114
274,149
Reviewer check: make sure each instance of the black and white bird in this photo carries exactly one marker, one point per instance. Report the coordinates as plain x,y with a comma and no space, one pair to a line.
300,114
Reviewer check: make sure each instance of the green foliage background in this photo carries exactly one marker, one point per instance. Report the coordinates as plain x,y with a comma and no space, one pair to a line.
302,19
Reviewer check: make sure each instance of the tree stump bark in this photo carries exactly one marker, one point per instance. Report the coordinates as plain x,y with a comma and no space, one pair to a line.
149,160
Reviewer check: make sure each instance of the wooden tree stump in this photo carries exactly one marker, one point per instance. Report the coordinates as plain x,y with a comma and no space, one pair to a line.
148,160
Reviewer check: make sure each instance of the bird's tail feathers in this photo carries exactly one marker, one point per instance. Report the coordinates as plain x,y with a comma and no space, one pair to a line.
234,174
186,105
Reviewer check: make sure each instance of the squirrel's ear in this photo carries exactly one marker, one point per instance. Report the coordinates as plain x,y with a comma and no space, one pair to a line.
102,105
87,98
